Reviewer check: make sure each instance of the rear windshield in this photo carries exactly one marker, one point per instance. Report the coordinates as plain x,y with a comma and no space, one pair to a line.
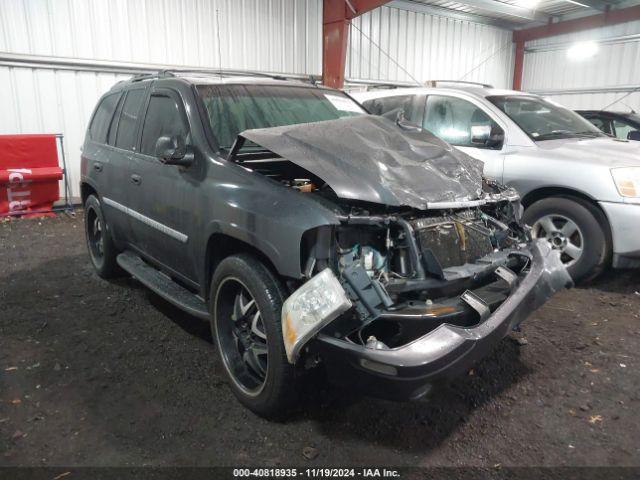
234,108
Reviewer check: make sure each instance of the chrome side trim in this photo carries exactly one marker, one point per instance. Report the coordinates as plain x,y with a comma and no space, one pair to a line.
181,237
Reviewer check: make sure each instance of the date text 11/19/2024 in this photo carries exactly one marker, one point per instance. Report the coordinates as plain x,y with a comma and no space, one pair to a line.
316,472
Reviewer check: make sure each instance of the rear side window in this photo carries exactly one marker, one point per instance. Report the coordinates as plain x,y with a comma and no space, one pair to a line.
622,129
126,137
163,119
102,118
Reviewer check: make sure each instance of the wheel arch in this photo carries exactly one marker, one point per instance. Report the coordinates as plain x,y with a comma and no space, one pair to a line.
545,192
575,195
220,246
87,189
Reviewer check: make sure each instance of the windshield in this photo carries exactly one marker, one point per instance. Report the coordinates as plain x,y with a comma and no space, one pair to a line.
234,108
544,120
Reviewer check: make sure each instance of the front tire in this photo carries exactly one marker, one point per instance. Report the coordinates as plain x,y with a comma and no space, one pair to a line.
102,250
575,228
245,305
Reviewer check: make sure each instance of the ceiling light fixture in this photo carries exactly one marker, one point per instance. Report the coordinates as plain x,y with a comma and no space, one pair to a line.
582,50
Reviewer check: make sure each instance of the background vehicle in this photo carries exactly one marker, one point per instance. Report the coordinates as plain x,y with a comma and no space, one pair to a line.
351,242
580,188
622,125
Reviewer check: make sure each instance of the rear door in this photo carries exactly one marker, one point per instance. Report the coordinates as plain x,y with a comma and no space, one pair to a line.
117,169
455,120
164,194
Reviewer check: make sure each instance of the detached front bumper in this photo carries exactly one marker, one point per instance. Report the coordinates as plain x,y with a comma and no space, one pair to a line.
407,372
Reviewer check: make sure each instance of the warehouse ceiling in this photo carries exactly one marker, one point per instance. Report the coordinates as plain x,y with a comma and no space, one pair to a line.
511,14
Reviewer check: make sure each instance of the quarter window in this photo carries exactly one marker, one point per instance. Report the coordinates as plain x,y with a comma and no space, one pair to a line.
126,137
451,119
102,118
163,119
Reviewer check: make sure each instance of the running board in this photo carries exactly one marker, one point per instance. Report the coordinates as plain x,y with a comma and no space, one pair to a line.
163,285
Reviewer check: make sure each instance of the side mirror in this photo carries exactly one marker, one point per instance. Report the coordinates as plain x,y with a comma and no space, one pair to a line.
487,136
633,135
480,134
174,151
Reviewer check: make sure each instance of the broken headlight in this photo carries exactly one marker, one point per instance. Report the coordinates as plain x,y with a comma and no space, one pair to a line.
314,305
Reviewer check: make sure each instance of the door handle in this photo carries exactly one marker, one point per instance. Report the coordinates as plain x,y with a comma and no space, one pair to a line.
97,166
136,179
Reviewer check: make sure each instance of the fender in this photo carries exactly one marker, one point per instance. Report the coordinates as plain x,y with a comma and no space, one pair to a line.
267,216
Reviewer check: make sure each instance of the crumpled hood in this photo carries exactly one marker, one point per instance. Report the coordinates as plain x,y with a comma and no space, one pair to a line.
604,151
372,159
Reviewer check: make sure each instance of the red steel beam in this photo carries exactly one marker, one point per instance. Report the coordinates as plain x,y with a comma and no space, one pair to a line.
518,66
336,18
611,17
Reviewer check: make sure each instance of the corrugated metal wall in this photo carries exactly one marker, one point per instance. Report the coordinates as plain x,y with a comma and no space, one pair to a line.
429,47
275,35
616,64
270,35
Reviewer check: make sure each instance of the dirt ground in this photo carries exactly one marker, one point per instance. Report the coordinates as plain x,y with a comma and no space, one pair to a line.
106,373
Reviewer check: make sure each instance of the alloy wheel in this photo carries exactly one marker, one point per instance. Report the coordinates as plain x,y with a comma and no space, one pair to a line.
95,235
241,336
563,234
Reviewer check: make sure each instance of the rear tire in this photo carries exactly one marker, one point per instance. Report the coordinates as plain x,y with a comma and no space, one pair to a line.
102,250
245,305
587,249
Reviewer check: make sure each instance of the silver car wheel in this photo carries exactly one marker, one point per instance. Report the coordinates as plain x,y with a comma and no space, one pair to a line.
563,234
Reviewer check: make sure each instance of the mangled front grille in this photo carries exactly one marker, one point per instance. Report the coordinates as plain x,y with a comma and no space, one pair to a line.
451,241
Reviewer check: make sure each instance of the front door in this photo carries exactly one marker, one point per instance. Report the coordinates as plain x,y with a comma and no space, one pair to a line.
454,120
165,198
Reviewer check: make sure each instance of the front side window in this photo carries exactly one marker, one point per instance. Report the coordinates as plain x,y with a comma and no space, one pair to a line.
544,120
231,109
102,118
601,123
126,136
412,106
454,120
163,119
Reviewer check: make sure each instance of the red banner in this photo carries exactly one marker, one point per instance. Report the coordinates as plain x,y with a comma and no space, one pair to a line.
29,174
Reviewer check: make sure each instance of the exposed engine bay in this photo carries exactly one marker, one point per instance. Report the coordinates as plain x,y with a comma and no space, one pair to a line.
408,272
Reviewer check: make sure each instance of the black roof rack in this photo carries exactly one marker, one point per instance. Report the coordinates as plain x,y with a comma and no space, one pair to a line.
146,76
223,73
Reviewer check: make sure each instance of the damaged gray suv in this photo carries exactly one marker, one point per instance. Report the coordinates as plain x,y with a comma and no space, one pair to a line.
309,233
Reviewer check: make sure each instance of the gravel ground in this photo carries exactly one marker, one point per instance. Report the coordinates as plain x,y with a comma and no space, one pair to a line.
106,373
